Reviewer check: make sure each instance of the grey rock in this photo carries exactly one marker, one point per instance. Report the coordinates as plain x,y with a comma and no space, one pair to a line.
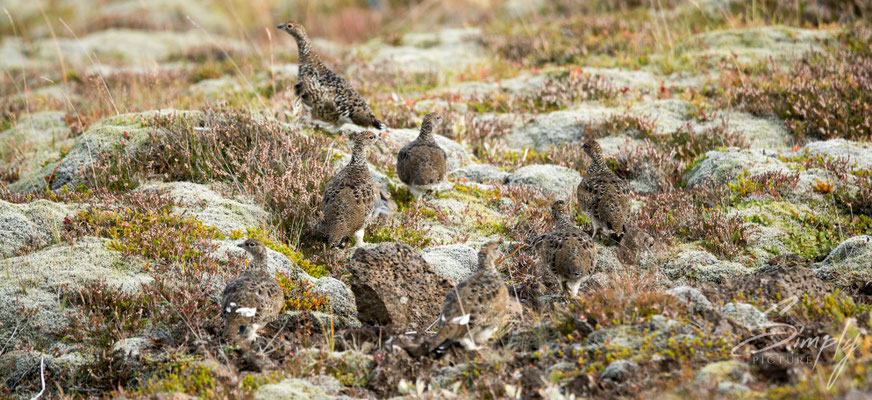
37,139
100,138
428,52
340,296
38,277
37,223
851,259
551,179
694,299
557,128
701,266
746,314
620,370
131,348
456,261
205,205
319,388
481,173
859,153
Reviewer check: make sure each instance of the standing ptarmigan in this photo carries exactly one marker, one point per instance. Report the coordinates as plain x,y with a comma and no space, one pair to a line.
602,194
252,300
327,96
567,251
351,196
475,308
422,164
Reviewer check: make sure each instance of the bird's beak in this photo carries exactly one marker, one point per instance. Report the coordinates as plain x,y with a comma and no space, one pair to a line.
281,26
241,245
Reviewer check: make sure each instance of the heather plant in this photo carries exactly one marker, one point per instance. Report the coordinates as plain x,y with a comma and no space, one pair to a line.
284,171
558,92
697,214
822,96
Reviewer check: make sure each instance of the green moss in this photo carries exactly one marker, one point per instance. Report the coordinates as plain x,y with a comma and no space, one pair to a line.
314,270
400,234
808,232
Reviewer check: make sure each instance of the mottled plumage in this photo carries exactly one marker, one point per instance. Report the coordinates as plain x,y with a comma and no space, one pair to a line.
327,96
351,196
252,300
475,308
422,164
567,252
603,195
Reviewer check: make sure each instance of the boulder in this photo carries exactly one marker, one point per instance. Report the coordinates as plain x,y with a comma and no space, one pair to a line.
694,299
455,261
702,266
551,179
747,315
620,370
393,285
34,224
851,259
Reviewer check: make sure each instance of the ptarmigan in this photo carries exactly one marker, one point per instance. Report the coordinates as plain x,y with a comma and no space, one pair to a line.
422,164
327,96
475,308
567,251
351,196
603,195
252,300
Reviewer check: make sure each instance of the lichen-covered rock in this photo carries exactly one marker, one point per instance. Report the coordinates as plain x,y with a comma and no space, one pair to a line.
749,316
748,45
851,259
393,285
701,266
33,224
127,46
620,370
431,52
24,366
37,139
481,173
341,299
318,387
212,209
859,153
126,133
558,127
724,375
350,367
694,299
38,277
455,261
551,179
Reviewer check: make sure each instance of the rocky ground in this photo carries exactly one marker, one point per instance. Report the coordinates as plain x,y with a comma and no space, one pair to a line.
140,141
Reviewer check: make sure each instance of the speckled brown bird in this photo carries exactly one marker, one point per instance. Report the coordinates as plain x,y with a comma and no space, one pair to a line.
475,308
351,196
252,300
567,252
327,96
422,164
603,195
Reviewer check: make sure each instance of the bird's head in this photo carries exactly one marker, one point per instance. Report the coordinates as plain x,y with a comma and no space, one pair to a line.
364,138
592,149
488,254
430,122
294,29
254,247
